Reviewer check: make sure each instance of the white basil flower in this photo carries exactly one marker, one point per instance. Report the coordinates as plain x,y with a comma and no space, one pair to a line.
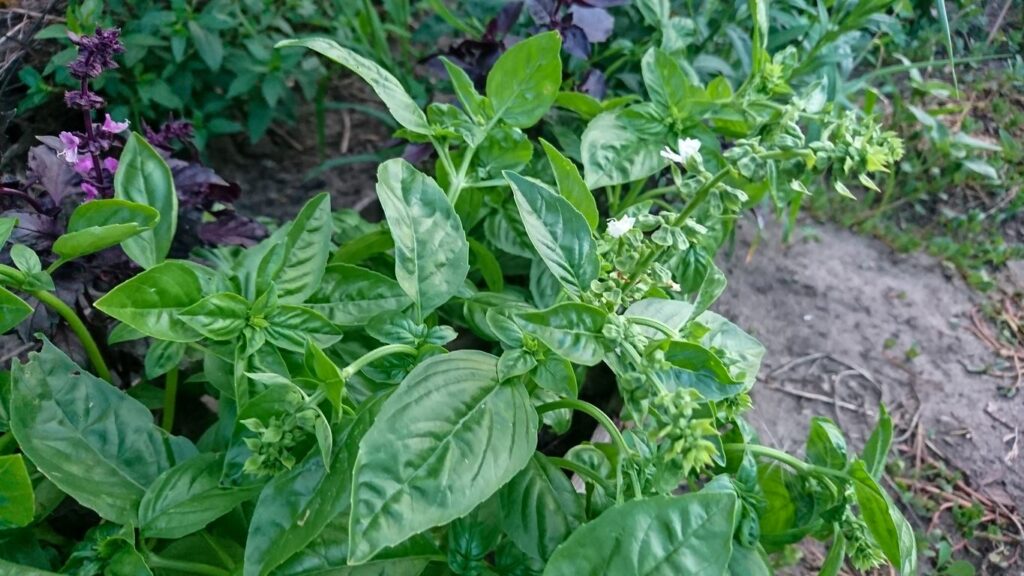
618,228
688,148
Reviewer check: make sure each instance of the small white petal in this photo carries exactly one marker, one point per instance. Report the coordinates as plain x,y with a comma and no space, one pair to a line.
618,228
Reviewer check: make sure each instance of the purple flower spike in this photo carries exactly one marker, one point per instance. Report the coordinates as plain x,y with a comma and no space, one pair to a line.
91,192
70,151
112,127
84,165
95,53
83,99
110,164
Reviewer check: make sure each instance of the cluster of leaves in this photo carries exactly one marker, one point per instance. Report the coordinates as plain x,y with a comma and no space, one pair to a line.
213,63
382,389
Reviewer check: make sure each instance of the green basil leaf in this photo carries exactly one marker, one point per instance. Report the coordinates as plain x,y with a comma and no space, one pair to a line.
90,439
471,100
162,356
152,301
431,252
540,509
100,224
515,362
327,554
296,505
143,177
487,263
328,374
208,44
388,88
571,184
6,227
17,498
697,368
876,450
351,296
613,152
26,259
572,330
291,326
306,250
218,316
672,313
465,435
363,247
187,497
739,351
558,231
826,445
524,82
666,83
660,536
747,562
12,310
889,528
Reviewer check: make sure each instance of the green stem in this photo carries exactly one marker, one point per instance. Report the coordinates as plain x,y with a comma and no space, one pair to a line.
651,323
78,327
374,355
787,459
606,423
155,561
581,471
170,398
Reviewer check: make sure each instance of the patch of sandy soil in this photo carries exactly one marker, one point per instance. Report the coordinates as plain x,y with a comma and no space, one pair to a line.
846,320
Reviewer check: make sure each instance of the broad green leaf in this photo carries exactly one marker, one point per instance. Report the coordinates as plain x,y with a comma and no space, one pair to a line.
571,184
90,439
12,310
17,499
431,252
472,537
739,351
187,497
487,264
143,177
208,44
363,247
162,356
152,301
887,525
291,326
876,449
399,103
296,505
826,445
350,296
659,536
572,330
218,316
327,555
613,151
100,224
463,436
524,82
697,368
672,313
6,227
540,509
667,84
14,569
26,259
307,248
747,562
558,231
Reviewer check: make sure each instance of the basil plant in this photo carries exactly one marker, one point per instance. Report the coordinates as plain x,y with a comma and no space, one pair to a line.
408,397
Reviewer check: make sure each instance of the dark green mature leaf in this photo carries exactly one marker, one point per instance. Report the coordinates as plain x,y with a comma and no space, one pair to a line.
399,103
327,555
163,356
208,44
291,326
306,250
613,152
540,509
571,184
100,224
889,528
877,447
22,570
558,231
90,439
826,445
143,177
431,252
152,301
296,505
218,316
463,436
571,329
696,367
660,536
17,499
12,310
187,497
523,83
351,296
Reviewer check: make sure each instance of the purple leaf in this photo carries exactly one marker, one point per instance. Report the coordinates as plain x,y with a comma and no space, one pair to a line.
542,11
594,84
499,26
601,3
575,42
232,228
55,175
596,22
417,152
